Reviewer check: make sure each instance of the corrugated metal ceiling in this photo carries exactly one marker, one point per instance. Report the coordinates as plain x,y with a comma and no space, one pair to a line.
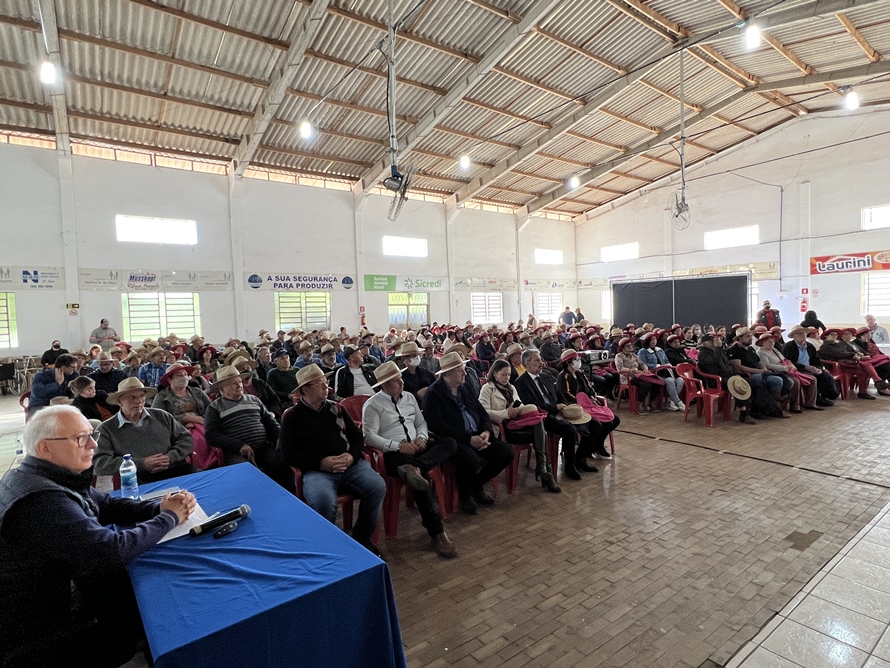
186,75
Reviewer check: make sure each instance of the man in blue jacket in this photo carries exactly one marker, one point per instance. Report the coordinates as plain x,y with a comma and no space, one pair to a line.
67,599
51,383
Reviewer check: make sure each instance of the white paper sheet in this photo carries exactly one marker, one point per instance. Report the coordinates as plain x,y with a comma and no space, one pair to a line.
181,530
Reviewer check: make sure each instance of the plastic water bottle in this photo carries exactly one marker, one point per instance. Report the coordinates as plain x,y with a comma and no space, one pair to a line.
19,454
129,485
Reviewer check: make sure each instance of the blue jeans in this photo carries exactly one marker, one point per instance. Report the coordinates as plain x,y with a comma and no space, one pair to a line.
770,383
320,490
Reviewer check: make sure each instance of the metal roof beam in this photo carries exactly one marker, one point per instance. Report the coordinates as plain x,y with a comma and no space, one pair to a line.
513,36
285,71
657,142
503,13
580,50
649,18
50,30
733,9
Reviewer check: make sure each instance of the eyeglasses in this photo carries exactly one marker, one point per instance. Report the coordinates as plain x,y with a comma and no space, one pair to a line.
82,440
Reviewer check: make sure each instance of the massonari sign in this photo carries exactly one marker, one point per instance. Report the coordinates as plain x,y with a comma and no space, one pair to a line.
844,263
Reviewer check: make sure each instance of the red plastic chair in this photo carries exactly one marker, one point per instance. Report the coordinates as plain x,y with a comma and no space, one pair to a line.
511,473
725,403
706,398
626,390
353,406
845,379
394,486
24,402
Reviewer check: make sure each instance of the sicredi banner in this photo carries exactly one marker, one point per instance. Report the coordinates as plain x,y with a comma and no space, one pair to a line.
849,263
297,281
394,283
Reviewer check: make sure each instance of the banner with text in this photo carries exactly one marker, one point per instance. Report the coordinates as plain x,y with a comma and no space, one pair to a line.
393,283
31,278
297,282
760,271
482,284
845,263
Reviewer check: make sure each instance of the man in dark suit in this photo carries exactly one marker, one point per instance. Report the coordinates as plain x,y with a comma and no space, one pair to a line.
536,387
451,411
803,355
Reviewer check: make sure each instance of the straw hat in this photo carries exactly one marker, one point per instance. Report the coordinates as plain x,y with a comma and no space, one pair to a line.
326,348
132,356
386,372
575,414
514,348
240,358
766,336
196,337
449,362
156,351
568,356
797,329
738,387
410,349
742,331
309,373
460,349
226,373
130,385
80,352
104,357
623,342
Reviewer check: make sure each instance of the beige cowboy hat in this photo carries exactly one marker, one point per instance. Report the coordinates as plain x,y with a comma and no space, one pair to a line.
305,345
742,331
547,335
80,352
326,348
130,385
408,349
514,348
459,348
449,362
155,351
738,387
104,357
294,332
240,358
386,372
226,373
131,356
575,414
196,337
309,373
797,329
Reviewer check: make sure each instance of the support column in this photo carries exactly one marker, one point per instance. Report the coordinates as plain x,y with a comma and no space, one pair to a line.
523,218
75,334
236,231
360,204
452,211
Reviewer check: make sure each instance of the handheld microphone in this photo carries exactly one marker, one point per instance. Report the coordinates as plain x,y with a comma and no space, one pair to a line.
234,515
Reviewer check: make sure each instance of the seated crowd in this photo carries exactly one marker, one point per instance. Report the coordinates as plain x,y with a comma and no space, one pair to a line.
444,403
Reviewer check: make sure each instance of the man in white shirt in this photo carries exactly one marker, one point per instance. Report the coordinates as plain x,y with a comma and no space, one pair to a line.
392,422
878,333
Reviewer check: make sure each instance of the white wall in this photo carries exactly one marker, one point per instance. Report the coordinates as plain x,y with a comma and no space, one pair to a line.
259,226
824,192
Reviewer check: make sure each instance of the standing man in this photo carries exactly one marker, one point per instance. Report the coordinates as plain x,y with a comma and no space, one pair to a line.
67,599
769,316
319,438
567,317
392,423
104,335
158,443
452,411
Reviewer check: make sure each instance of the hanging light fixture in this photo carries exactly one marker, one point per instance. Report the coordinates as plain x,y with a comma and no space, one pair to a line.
305,129
464,162
752,36
47,72
851,100
574,182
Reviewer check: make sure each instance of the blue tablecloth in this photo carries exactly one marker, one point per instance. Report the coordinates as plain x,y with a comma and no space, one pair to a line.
287,588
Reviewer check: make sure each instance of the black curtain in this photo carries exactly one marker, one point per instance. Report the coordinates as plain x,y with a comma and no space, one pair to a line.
720,300
644,301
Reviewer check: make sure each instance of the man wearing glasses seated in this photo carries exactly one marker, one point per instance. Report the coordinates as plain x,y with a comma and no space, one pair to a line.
67,599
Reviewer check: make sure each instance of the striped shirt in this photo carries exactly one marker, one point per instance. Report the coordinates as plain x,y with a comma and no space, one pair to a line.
230,424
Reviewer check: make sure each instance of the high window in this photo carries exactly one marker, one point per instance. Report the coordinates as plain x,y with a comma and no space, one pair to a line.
548,256
877,293
147,230
732,237
875,217
620,252
405,247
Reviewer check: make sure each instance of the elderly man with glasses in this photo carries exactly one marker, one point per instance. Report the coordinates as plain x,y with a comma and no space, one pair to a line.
67,599
158,443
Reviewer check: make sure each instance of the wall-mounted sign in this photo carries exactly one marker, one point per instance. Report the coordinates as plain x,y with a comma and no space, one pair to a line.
485,284
142,281
153,281
393,283
760,271
194,281
100,279
297,281
31,278
845,263
592,283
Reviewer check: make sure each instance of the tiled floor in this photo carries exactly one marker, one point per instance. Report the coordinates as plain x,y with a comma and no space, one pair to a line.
686,546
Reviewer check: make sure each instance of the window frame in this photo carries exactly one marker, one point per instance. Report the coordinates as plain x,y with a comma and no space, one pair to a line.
880,307
308,307
168,309
492,314
9,335
550,299
868,225
168,230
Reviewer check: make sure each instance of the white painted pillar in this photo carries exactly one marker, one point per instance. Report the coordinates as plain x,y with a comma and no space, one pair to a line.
452,211
76,334
236,231
360,204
